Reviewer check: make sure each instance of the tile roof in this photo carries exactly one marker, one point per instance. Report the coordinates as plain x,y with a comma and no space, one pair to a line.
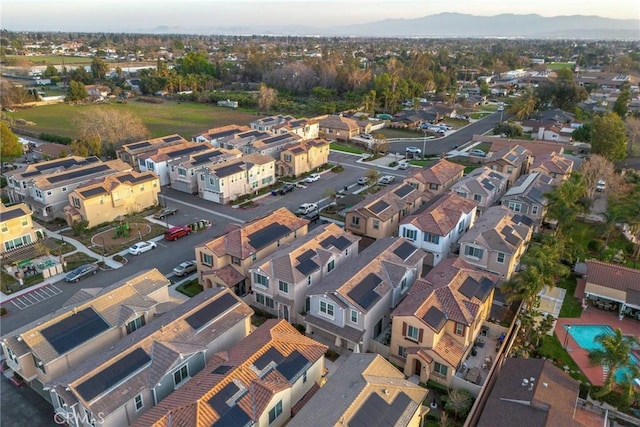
388,202
613,276
140,147
536,148
81,173
276,340
514,155
440,172
449,349
531,188
498,229
106,184
172,152
553,163
475,182
441,215
335,121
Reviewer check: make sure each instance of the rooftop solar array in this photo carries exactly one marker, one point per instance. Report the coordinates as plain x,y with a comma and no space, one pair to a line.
535,194
496,175
341,242
403,191
112,375
138,145
219,400
364,292
212,310
134,180
267,235
188,150
61,163
472,288
231,169
292,365
523,219
271,355
13,213
405,250
222,369
513,239
254,133
74,330
277,138
77,173
306,264
435,318
512,157
204,158
487,184
172,138
486,286
93,191
378,207
376,412
234,417
224,133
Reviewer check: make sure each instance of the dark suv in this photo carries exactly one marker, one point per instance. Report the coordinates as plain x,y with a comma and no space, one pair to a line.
286,188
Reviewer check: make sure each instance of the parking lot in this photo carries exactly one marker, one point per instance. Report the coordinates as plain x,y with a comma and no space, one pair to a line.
36,296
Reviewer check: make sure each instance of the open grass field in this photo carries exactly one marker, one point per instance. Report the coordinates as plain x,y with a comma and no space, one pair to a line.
185,119
561,65
69,61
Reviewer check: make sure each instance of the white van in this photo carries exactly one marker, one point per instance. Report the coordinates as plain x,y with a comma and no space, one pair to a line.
306,208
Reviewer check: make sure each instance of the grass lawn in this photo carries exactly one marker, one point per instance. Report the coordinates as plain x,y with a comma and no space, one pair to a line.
190,289
582,233
571,306
346,148
551,348
78,259
479,115
170,117
52,59
400,133
561,65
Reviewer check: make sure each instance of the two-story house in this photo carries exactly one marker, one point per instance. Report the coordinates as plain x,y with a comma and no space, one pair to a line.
513,161
89,323
157,160
257,382
227,181
557,167
435,326
118,385
496,241
214,136
615,285
482,185
16,227
129,153
303,157
182,172
306,129
105,199
437,227
269,123
281,282
365,390
45,187
528,196
337,127
435,179
352,307
379,214
272,145
225,260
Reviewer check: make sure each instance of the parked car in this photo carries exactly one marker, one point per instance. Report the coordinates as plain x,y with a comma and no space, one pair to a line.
306,208
185,268
441,131
444,126
477,152
165,212
174,233
312,178
601,185
81,272
313,216
366,136
141,247
413,150
403,165
363,181
386,179
286,188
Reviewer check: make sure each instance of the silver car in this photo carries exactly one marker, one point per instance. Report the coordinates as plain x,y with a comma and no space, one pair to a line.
81,272
185,268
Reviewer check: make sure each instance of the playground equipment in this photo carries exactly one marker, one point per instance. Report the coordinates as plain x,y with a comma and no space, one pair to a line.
122,230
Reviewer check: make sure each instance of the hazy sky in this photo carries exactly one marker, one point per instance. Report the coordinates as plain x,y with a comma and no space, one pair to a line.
131,15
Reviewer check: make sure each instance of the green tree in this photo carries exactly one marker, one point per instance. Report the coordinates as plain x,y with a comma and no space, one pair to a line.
511,130
582,134
628,386
81,75
10,146
609,137
99,68
613,354
524,106
51,71
76,92
621,106
565,202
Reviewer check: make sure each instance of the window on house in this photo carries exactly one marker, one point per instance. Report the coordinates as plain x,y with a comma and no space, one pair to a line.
459,329
39,364
534,210
354,316
473,252
283,286
61,402
254,256
516,207
431,238
331,266
207,259
49,193
38,193
180,376
304,377
355,221
269,302
376,224
326,308
461,227
275,412
261,280
64,189
182,172
402,352
461,193
235,260
439,368
4,227
287,158
404,285
413,332
433,186
138,402
259,298
135,324
500,256
309,281
11,355
477,198
409,233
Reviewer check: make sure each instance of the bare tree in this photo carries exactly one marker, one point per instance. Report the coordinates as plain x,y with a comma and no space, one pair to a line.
110,126
598,168
266,98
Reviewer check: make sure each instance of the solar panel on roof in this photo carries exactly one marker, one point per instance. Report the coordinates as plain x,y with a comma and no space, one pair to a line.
277,138
435,318
74,330
269,234
172,138
219,400
224,133
234,417
138,145
307,266
535,194
341,242
378,207
231,169
523,219
405,250
188,150
506,230
404,190
364,292
486,285
271,355
13,213
495,175
77,173
113,374
92,159
93,191
376,412
292,365
212,310
512,157
222,369
469,287
487,184
513,239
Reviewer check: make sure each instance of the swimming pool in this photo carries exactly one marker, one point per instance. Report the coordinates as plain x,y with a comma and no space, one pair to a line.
585,336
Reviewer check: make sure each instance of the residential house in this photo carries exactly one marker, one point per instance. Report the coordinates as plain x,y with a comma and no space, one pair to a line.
303,157
182,172
558,168
130,152
272,145
281,282
45,187
497,241
413,118
437,227
243,140
257,382
118,385
225,260
555,133
435,179
88,324
613,284
366,390
436,325
339,128
49,150
214,136
513,161
304,128
98,92
227,181
157,160
269,123
16,227
536,148
379,214
482,185
107,198
532,392
352,307
528,196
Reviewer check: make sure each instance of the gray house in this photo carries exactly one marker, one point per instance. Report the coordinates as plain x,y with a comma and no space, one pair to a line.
353,306
482,185
527,196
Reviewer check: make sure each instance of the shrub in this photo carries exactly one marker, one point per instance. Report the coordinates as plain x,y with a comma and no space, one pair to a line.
65,140
118,258
595,245
459,402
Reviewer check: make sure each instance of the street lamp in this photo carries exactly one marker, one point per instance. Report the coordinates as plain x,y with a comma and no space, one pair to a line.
566,337
424,143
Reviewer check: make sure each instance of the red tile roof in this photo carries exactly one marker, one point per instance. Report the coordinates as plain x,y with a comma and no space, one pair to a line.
613,276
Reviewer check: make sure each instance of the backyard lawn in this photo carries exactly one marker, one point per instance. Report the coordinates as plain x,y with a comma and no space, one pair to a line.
190,289
571,306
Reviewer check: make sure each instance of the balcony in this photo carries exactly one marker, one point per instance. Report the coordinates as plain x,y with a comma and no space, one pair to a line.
483,354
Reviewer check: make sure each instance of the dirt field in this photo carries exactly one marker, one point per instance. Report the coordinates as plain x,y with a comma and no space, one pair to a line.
137,231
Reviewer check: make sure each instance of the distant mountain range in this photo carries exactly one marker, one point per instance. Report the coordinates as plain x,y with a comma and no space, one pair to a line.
448,25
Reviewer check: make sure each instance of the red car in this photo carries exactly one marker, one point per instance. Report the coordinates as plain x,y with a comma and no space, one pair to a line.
174,233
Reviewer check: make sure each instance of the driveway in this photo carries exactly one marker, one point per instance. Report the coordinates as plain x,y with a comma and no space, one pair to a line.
21,406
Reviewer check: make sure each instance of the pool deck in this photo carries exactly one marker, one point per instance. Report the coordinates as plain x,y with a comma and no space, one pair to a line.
592,316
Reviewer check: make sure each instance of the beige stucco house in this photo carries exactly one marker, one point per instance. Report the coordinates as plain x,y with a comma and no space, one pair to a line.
16,227
435,179
303,157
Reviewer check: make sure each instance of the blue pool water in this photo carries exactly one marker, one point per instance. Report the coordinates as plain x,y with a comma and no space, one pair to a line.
585,336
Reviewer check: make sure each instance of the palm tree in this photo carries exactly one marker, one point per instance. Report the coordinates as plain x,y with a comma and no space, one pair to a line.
628,385
614,354
524,106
